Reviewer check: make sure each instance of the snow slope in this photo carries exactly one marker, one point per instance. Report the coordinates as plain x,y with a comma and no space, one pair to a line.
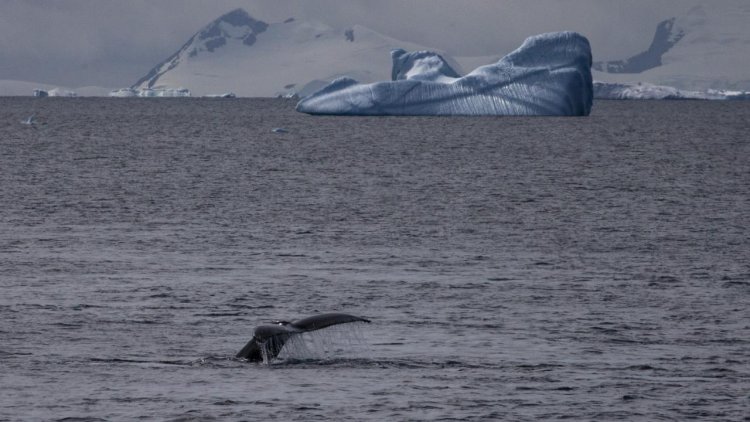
550,74
237,53
707,48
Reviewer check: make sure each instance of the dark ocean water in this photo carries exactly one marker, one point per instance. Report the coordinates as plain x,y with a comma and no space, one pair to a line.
514,268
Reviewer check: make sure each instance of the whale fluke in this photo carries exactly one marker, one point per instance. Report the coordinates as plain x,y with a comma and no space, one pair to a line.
318,322
271,338
29,120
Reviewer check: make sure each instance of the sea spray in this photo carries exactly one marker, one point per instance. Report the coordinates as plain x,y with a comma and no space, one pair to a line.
335,341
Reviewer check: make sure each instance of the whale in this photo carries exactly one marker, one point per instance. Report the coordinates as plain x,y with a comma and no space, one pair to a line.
29,120
268,340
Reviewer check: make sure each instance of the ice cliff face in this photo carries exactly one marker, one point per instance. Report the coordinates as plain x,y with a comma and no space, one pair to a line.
550,74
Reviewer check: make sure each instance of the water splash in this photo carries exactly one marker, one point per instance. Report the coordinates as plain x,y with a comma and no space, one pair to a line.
328,343
29,120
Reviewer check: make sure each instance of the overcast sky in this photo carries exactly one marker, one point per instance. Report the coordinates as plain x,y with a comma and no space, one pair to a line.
112,43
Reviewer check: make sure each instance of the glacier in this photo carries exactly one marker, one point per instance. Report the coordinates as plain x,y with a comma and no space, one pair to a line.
13,88
647,91
549,75
150,92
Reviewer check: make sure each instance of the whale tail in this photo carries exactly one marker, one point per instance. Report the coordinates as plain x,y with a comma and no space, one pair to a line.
268,340
266,344
29,120
318,322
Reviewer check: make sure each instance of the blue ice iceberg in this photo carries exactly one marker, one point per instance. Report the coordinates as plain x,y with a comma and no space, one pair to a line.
549,75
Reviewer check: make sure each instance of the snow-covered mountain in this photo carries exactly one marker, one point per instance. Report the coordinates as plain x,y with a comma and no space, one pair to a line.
240,54
667,35
707,48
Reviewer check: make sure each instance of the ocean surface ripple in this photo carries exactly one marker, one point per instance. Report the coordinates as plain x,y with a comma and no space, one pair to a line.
514,268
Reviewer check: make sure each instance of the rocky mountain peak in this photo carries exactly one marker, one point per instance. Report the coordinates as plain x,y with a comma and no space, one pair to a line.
234,25
237,24
666,36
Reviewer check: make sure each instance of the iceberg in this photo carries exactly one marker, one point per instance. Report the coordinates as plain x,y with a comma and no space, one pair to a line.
150,92
124,93
164,92
55,92
549,75
61,92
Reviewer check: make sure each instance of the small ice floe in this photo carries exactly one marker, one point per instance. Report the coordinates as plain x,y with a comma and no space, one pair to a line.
279,130
29,120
